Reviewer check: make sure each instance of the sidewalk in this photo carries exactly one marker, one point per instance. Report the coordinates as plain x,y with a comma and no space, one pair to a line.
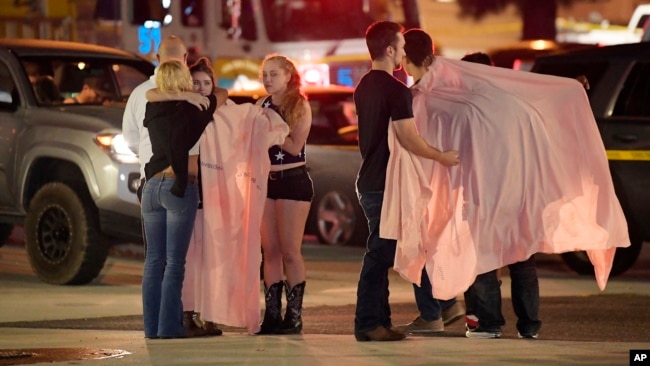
332,275
313,349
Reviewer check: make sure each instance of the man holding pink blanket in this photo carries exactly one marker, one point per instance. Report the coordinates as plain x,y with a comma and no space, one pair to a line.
533,177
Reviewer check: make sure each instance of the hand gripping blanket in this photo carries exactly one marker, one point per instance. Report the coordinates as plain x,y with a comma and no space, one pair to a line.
533,177
223,262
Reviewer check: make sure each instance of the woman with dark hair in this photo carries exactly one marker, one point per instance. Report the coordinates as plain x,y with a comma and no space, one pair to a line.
204,79
203,82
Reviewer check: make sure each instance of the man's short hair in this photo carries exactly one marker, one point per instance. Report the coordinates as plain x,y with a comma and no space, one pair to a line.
478,58
380,35
419,47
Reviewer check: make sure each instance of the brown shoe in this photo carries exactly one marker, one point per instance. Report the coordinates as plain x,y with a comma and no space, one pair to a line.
212,329
191,329
380,334
420,326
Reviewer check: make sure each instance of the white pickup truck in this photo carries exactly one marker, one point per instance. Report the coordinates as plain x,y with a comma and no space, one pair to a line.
604,34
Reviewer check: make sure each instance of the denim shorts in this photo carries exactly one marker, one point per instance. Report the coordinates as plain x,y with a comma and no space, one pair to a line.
292,184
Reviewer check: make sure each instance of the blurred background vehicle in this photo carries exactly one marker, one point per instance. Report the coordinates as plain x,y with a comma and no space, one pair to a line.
65,169
619,94
521,55
605,34
333,158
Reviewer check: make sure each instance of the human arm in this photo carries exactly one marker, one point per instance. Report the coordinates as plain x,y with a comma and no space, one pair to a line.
196,99
297,137
130,126
410,139
222,96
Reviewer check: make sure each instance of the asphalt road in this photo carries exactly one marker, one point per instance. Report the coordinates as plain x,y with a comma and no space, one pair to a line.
571,308
40,323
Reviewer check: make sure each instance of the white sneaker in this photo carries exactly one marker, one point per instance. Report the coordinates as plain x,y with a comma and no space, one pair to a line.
480,333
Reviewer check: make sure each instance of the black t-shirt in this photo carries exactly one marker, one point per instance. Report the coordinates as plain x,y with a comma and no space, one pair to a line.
379,98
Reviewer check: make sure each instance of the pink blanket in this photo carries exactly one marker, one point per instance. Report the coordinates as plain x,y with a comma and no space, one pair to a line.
533,177
223,264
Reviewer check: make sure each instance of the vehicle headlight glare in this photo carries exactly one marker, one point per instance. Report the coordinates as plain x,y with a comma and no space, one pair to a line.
116,147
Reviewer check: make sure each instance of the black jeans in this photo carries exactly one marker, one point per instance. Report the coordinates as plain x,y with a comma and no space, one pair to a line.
525,298
372,308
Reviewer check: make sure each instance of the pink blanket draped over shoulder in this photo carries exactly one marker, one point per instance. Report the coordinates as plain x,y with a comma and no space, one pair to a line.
223,263
533,178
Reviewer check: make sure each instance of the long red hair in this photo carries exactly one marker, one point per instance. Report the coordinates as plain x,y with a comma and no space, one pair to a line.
291,102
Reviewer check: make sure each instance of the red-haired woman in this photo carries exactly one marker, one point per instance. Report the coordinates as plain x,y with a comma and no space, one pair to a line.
289,196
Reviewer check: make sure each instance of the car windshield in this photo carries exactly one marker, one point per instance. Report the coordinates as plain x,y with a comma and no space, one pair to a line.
592,70
83,81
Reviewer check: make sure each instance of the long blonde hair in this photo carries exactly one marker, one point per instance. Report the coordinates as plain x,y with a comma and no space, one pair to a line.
291,102
173,76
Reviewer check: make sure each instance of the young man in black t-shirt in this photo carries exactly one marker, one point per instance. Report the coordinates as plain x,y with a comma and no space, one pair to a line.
381,102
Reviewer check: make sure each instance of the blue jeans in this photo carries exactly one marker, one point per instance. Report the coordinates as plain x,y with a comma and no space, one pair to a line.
525,298
168,222
429,307
372,308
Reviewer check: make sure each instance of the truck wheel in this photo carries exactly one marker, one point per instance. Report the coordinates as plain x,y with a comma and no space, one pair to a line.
623,260
62,237
339,221
5,232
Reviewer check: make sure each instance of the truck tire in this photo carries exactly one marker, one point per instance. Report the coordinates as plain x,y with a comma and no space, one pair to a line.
623,260
340,220
62,238
5,233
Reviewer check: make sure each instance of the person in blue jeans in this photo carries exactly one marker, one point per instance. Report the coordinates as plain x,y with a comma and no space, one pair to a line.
434,314
483,298
486,297
168,222
382,102
170,199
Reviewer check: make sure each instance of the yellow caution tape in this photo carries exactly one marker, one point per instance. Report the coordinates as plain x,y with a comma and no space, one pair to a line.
628,155
564,24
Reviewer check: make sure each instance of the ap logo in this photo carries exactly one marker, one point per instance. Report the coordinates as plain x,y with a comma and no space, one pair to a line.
639,357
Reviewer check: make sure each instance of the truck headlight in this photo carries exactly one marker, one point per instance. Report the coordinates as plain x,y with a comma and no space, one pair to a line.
115,146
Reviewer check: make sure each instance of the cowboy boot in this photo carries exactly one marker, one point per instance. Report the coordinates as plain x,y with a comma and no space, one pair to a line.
191,328
292,323
212,329
273,309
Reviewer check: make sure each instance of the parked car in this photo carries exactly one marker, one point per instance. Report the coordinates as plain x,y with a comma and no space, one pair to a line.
65,170
333,158
619,79
521,55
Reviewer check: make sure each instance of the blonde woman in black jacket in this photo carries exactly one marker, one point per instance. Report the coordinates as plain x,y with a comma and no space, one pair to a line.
170,199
